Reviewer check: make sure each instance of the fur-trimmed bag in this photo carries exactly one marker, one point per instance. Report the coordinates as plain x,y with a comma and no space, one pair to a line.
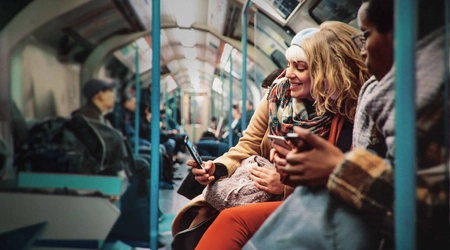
238,189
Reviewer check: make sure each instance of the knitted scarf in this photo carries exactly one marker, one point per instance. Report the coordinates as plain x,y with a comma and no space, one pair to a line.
286,112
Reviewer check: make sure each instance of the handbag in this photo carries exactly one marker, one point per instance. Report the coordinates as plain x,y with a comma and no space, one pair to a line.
238,189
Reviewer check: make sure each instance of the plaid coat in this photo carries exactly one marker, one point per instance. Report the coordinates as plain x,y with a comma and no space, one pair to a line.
365,178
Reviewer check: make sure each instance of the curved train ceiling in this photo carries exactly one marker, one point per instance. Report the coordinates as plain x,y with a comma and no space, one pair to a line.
197,37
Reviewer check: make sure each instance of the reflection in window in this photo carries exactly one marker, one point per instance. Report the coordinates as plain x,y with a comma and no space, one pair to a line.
280,10
284,7
336,10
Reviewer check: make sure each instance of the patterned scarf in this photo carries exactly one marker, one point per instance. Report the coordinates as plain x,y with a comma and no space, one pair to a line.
286,112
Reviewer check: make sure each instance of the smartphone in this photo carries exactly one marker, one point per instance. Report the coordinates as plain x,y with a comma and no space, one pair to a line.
193,152
295,141
293,138
280,140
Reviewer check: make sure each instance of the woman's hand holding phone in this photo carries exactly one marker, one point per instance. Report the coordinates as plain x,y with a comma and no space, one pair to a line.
278,157
203,175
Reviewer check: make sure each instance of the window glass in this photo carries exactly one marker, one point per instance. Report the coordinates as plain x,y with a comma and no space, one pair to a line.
336,10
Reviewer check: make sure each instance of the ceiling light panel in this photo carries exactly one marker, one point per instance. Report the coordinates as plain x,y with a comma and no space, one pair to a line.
184,12
167,53
190,53
217,11
208,68
170,83
164,39
217,85
173,66
225,53
187,37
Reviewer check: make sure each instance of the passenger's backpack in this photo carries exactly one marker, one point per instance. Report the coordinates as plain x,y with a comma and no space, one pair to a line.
76,145
167,168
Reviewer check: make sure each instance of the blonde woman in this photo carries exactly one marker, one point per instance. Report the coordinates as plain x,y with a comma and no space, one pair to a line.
324,76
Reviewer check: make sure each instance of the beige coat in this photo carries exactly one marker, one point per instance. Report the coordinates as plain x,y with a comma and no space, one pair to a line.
254,142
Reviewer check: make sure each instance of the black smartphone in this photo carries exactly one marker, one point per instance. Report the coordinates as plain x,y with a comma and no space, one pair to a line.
193,152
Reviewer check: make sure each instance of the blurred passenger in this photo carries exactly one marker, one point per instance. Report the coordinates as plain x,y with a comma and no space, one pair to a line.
320,88
363,177
248,114
210,133
145,133
171,129
215,148
268,81
145,129
100,100
126,120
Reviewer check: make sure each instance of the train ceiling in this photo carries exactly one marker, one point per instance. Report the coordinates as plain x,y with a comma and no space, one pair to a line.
197,37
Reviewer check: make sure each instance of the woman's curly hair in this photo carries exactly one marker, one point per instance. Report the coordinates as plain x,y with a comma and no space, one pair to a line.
337,70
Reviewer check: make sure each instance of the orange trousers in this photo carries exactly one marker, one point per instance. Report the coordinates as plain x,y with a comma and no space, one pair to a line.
235,226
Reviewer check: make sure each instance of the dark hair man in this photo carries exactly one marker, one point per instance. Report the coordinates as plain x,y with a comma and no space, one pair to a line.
100,100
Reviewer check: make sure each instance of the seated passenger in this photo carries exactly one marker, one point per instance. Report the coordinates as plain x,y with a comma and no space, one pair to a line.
210,133
100,100
365,180
171,129
268,81
216,148
326,83
145,133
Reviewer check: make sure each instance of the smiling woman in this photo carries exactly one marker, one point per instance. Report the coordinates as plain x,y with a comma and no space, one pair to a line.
307,95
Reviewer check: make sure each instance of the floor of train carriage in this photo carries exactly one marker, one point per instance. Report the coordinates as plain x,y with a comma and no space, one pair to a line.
170,203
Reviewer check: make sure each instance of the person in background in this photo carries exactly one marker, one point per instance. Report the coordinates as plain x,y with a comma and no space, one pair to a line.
268,81
100,100
213,126
210,133
249,113
171,129
214,147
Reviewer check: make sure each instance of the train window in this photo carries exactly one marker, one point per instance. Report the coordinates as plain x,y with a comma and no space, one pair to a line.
280,10
337,10
279,59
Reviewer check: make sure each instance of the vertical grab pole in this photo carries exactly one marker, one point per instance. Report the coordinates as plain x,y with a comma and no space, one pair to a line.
154,170
211,105
194,115
446,99
405,120
223,91
166,105
230,117
137,117
247,4
180,106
